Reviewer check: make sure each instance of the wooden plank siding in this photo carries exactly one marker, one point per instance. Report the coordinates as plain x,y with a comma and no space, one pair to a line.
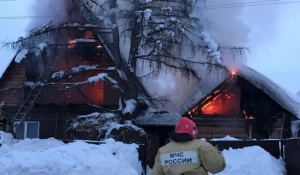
221,127
53,118
15,75
235,127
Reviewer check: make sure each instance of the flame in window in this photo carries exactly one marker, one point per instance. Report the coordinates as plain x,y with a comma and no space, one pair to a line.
71,44
248,117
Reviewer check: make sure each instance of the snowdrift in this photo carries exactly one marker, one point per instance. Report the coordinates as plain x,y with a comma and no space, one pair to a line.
252,160
228,138
50,156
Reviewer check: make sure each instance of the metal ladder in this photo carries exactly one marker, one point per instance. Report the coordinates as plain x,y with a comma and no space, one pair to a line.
35,91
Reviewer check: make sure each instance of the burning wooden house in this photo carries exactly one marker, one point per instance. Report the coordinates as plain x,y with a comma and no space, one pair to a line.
53,105
83,53
247,105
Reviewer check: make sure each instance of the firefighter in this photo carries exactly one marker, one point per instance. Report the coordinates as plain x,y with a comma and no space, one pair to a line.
5,123
3,116
187,155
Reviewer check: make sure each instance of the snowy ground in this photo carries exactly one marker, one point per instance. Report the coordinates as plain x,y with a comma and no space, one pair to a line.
53,157
251,161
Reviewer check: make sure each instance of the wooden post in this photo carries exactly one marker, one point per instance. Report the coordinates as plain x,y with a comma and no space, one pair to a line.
282,125
250,131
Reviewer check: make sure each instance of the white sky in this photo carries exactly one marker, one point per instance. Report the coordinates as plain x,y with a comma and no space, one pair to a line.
273,39
11,29
274,43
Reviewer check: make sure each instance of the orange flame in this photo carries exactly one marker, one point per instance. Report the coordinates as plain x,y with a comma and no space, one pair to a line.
248,117
233,72
229,96
71,44
206,99
217,91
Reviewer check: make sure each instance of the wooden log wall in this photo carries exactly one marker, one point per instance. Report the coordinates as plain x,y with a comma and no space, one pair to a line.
268,114
212,127
100,93
15,75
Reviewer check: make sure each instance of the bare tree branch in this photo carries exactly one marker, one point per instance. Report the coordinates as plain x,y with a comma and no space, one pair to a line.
50,30
162,100
185,69
76,70
103,109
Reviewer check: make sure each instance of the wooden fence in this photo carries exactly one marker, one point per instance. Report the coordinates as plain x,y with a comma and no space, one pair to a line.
292,156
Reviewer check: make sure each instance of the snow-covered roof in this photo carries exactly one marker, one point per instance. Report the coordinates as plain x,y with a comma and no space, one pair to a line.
191,102
289,101
282,96
5,66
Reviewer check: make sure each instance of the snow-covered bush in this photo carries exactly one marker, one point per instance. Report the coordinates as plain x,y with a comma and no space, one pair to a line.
99,126
127,133
90,127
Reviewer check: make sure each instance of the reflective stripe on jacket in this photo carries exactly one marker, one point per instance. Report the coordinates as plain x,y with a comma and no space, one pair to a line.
193,157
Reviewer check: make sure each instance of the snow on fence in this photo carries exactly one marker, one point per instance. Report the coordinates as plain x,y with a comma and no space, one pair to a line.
288,150
271,146
142,151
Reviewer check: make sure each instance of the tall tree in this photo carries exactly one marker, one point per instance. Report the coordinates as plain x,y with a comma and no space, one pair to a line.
163,36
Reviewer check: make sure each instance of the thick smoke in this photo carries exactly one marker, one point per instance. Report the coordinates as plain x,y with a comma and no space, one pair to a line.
45,11
227,28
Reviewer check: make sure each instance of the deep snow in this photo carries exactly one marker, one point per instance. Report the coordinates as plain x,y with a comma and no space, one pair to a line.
252,160
53,157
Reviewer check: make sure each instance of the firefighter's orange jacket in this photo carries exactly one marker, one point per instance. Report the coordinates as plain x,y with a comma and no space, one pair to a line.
193,157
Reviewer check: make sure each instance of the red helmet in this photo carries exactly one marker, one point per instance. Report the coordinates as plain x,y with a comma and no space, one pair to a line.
186,126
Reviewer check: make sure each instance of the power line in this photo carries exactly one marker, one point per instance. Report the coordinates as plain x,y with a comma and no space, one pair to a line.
27,17
250,5
242,3
212,7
